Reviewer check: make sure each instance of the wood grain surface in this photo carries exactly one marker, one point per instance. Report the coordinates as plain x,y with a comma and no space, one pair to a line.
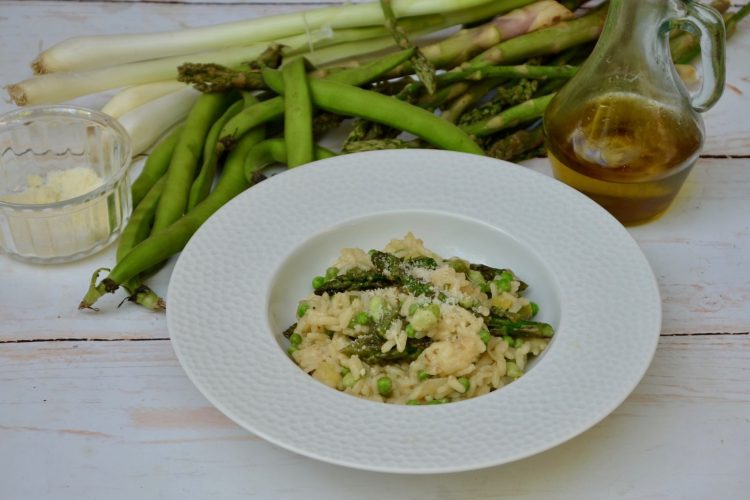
96,406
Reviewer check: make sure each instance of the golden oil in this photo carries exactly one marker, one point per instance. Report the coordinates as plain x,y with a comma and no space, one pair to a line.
628,153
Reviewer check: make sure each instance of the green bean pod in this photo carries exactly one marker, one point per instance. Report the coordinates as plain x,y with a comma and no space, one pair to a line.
139,225
274,151
273,108
353,101
137,230
164,243
203,181
174,200
155,166
298,114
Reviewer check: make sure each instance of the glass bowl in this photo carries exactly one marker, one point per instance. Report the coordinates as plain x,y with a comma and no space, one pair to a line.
64,188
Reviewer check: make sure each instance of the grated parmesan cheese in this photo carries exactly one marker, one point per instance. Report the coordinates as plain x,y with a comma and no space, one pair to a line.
67,230
58,186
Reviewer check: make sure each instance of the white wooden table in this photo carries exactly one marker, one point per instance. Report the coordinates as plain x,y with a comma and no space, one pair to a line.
96,405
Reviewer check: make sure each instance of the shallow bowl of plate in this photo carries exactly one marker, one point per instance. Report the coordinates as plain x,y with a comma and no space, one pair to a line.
235,288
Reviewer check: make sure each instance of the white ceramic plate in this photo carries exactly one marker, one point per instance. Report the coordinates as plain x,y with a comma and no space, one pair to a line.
236,285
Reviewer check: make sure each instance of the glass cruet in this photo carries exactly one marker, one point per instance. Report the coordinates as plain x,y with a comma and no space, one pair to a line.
624,130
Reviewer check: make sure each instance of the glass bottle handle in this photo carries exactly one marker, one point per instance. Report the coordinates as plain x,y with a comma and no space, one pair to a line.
707,24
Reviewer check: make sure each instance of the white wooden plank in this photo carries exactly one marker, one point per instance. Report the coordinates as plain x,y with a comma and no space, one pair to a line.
120,420
726,123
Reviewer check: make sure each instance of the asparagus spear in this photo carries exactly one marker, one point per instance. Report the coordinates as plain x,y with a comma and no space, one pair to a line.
391,266
368,348
355,279
443,95
550,40
365,130
489,273
456,108
499,327
423,262
458,48
533,108
379,144
516,145
423,68
505,97
527,71
209,77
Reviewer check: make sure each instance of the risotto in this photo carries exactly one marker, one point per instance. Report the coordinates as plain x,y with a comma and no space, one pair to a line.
404,325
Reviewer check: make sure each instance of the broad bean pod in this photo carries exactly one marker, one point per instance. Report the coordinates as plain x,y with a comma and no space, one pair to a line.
155,166
274,151
203,181
174,200
353,101
298,113
273,108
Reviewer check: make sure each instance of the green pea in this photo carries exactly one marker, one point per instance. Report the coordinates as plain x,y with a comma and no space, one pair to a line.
512,370
302,309
475,277
534,309
464,382
518,343
410,332
344,371
458,265
424,319
349,380
292,349
467,302
502,285
362,318
376,307
331,273
508,340
423,375
318,281
484,335
507,275
385,386
295,339
435,309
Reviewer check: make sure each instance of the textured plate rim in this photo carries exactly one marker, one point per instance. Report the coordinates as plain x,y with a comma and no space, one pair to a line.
182,346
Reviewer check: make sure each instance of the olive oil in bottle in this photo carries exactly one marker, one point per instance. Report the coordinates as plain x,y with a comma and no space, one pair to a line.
624,130
629,153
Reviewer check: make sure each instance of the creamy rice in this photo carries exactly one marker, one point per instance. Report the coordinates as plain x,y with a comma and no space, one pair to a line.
395,345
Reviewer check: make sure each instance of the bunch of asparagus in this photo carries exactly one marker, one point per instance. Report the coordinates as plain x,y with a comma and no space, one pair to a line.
479,90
